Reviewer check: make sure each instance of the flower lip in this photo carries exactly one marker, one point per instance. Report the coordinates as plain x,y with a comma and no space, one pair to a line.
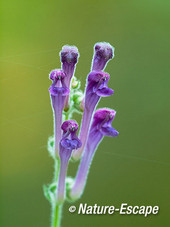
69,126
59,90
97,76
70,139
102,122
69,144
58,86
69,54
104,115
97,83
104,112
57,74
104,50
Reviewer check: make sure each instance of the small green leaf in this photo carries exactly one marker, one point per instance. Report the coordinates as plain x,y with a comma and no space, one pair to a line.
49,191
50,145
75,83
69,184
46,193
78,97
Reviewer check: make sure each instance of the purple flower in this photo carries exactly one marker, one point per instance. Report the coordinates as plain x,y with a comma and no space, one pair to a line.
58,91
69,56
58,87
68,143
101,126
103,52
96,88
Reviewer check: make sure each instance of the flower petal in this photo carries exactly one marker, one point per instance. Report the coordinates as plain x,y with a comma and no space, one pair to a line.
109,131
104,92
70,144
64,91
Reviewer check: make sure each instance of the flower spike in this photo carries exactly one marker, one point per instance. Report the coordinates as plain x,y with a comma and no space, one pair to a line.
66,99
96,88
58,91
68,143
101,126
103,52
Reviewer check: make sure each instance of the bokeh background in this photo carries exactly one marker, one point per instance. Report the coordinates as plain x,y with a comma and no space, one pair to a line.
133,168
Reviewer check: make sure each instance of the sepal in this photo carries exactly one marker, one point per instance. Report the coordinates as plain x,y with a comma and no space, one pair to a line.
75,83
69,185
77,98
49,192
50,145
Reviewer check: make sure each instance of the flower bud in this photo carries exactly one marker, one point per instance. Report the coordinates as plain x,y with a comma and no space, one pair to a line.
103,52
69,56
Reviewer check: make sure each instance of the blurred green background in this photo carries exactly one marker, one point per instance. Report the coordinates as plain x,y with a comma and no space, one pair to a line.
133,168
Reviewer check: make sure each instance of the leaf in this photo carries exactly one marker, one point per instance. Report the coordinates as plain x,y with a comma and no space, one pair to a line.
50,145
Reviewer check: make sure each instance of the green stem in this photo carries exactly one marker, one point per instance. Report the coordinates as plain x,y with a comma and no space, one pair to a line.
67,114
56,208
56,215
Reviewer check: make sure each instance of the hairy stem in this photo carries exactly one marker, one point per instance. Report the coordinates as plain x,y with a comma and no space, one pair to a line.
56,215
56,208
